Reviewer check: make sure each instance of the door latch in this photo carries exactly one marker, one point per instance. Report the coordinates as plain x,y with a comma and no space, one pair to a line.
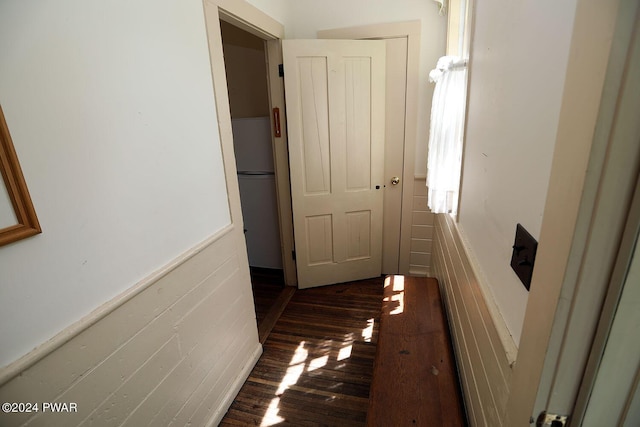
551,420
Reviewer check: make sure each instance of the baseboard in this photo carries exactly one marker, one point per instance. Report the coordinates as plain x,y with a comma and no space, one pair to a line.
485,353
175,348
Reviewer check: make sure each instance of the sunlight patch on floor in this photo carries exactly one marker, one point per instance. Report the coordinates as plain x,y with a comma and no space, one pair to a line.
271,417
367,332
344,353
300,356
295,369
399,298
300,361
397,283
290,378
318,363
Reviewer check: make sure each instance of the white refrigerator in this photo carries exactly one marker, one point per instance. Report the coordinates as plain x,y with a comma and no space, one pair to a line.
254,161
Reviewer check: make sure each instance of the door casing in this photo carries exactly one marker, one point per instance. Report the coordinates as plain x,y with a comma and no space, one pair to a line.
250,19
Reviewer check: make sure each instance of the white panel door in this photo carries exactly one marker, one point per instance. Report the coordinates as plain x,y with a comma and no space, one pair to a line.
335,93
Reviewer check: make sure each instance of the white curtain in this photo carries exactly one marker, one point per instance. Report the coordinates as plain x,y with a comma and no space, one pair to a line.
445,134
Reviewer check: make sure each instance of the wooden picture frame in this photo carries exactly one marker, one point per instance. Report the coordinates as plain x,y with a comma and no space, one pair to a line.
27,222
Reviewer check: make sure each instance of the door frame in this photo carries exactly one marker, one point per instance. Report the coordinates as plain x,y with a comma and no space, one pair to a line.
610,319
254,21
410,30
581,228
618,202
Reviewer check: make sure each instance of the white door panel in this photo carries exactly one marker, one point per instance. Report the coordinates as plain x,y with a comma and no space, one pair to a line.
335,114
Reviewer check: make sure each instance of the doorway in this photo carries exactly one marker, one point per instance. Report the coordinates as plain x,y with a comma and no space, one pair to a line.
247,85
253,21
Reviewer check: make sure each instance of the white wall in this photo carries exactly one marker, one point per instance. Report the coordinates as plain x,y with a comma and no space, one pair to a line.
516,87
276,9
111,110
306,17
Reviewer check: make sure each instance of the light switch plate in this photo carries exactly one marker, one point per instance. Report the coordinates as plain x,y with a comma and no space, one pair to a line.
524,255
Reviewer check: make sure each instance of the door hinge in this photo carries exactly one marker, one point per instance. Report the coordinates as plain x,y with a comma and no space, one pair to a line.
280,70
293,255
551,420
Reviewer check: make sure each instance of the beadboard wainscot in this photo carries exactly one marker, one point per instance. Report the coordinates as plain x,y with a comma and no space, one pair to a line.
485,352
421,230
174,349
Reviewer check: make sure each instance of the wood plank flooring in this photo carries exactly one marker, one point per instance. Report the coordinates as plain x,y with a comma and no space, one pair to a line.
270,296
317,362
415,380
267,285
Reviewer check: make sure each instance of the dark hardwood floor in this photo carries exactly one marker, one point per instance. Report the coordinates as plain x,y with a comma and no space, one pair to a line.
270,296
318,361
267,284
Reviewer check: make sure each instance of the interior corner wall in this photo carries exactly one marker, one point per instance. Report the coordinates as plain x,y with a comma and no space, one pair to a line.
306,17
519,57
111,110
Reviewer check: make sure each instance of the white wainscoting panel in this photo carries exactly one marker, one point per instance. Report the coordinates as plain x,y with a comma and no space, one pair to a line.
421,231
483,354
174,353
